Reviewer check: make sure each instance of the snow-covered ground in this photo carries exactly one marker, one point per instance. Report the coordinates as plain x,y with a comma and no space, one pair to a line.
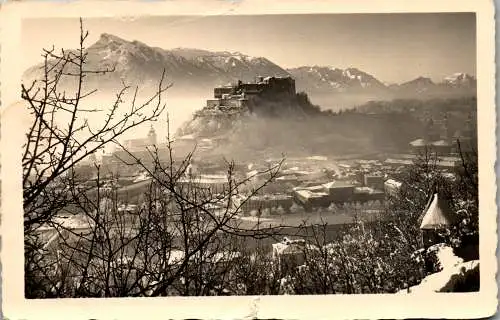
453,271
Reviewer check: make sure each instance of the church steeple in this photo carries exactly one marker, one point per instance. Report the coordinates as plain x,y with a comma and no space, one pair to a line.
431,134
152,136
445,130
469,126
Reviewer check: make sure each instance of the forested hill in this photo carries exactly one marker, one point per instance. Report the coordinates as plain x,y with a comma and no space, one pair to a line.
375,127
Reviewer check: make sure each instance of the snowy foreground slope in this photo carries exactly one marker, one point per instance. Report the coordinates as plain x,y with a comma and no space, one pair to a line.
454,272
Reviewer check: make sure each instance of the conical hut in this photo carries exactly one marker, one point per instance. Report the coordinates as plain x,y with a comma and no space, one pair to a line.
436,217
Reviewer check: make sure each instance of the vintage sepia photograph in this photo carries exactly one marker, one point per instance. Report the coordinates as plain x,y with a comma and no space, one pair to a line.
284,154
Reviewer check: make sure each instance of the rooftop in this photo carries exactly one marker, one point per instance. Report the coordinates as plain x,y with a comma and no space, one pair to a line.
271,197
437,214
338,184
308,194
418,143
367,190
393,183
441,143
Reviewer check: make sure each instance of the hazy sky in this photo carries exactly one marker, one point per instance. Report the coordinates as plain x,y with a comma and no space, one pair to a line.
392,47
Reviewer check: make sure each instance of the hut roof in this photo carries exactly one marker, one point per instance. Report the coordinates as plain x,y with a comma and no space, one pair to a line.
437,214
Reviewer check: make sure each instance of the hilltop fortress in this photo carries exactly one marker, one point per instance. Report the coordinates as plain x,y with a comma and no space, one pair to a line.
243,95
266,96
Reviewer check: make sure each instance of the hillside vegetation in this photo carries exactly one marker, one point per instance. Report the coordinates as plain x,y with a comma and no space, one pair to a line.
375,127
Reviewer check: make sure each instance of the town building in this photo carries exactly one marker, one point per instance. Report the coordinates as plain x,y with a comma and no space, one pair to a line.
312,199
133,149
336,193
142,143
437,137
375,181
274,203
367,194
441,163
339,191
392,187
292,253
214,183
467,136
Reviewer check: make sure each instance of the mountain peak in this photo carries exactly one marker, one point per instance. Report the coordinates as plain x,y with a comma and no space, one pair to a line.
458,76
107,37
332,78
352,69
334,69
422,80
191,51
460,80
190,67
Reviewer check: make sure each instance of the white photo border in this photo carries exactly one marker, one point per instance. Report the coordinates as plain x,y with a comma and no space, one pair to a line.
449,305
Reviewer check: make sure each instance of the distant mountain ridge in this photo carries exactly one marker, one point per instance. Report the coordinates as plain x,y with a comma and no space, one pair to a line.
352,80
195,72
339,80
201,70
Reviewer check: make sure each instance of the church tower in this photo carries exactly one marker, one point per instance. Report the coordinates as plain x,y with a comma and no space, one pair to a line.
469,126
152,136
431,134
469,137
445,130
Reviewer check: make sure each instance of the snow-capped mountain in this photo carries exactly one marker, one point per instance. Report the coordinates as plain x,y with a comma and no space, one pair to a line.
320,78
419,85
455,85
460,79
195,70
137,63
